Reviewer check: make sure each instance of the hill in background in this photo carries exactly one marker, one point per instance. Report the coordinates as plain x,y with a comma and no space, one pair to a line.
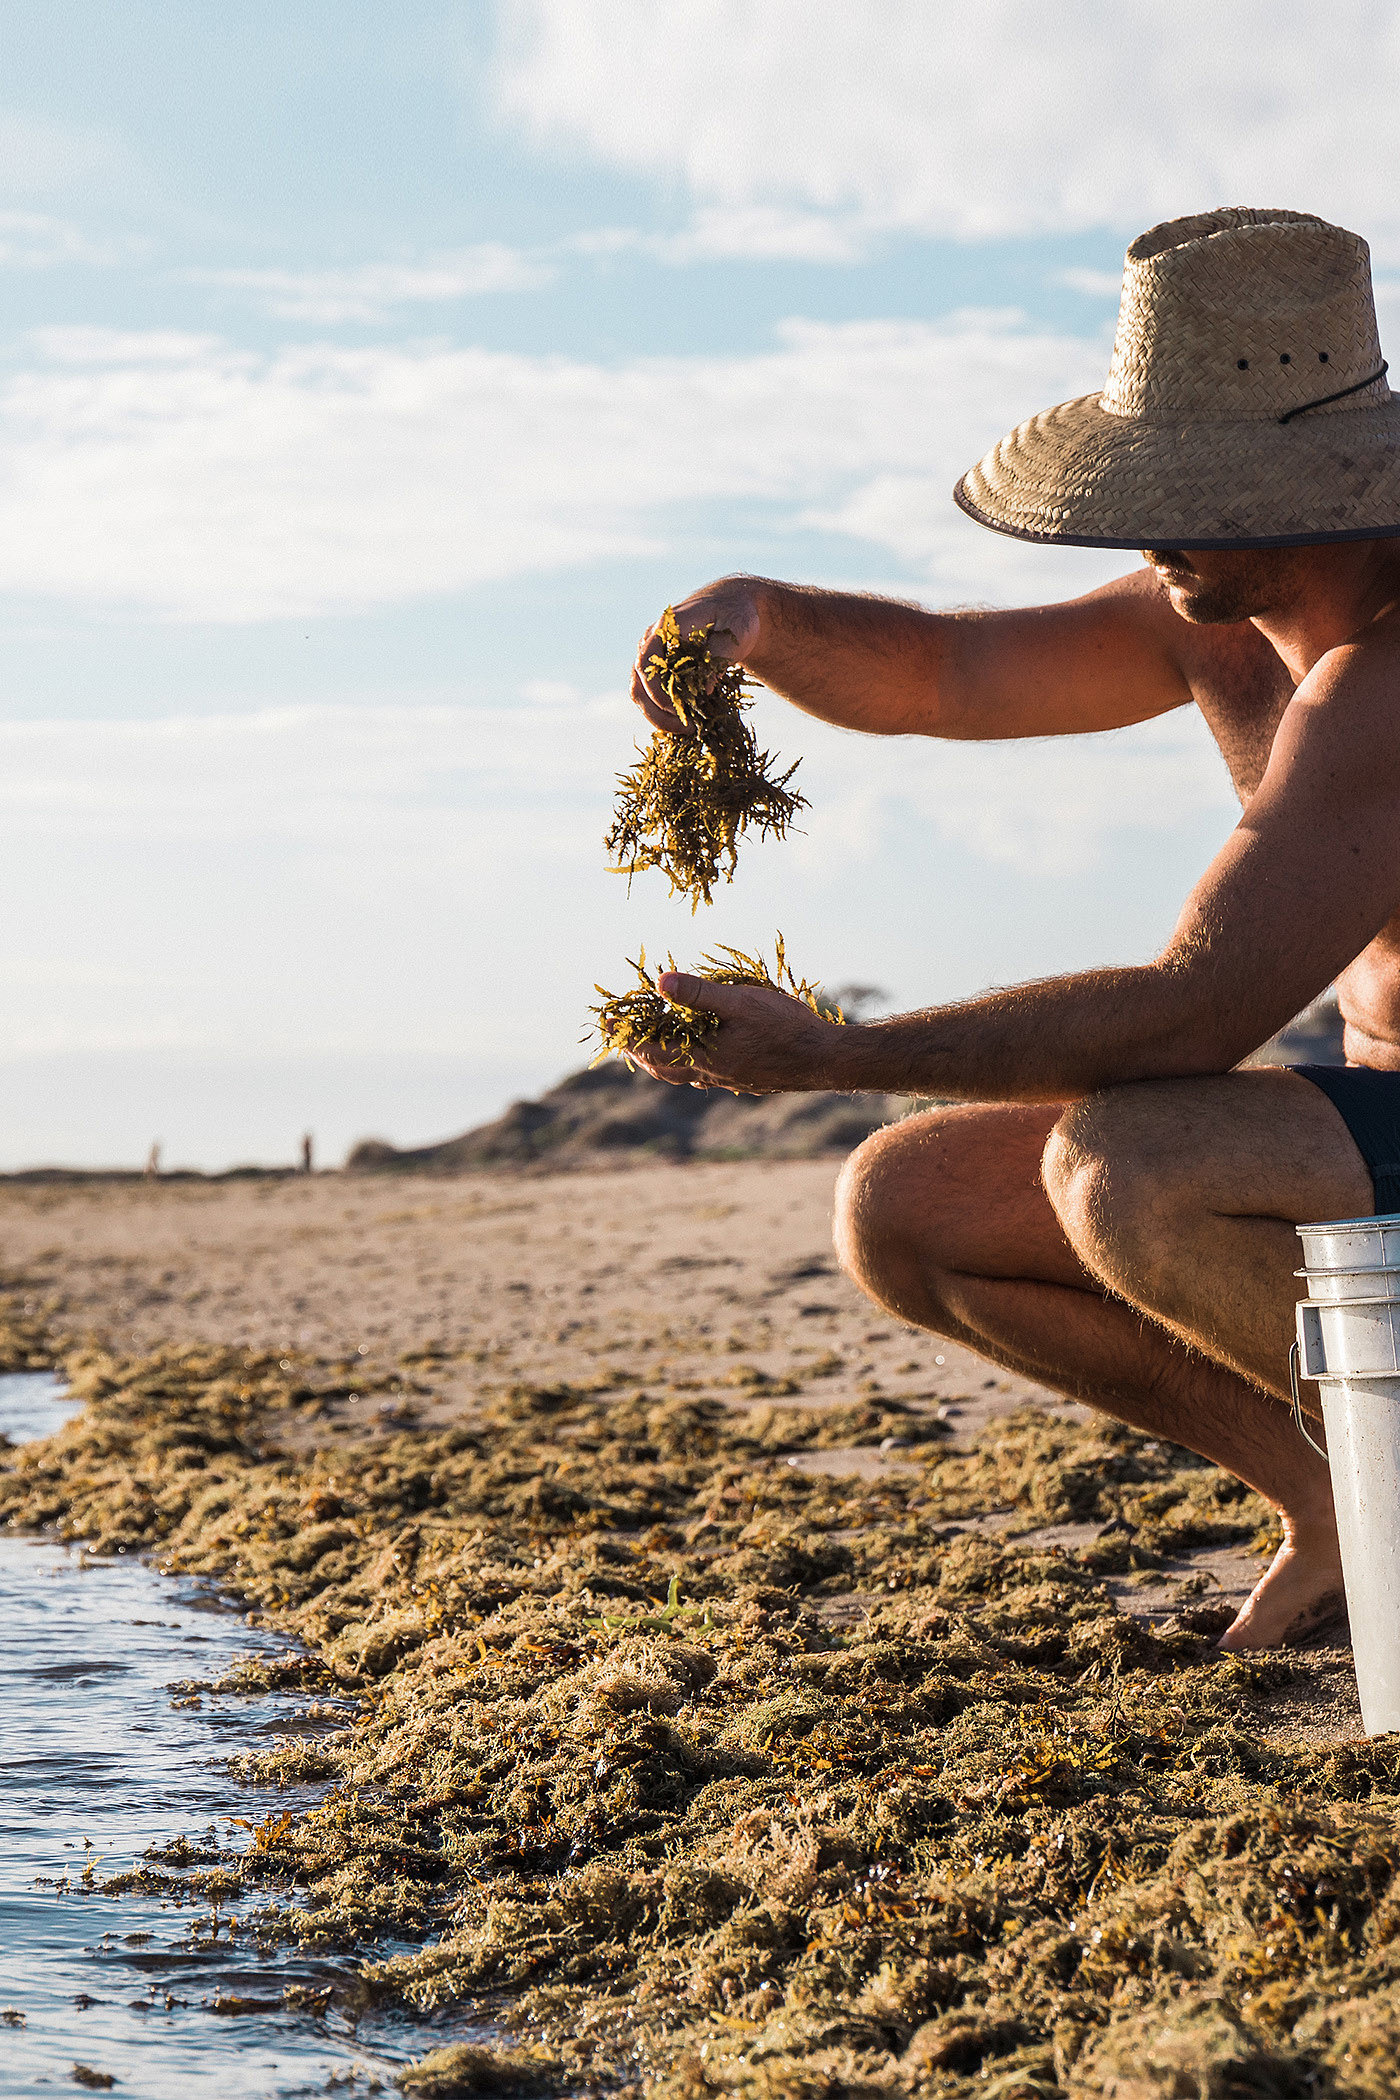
611,1111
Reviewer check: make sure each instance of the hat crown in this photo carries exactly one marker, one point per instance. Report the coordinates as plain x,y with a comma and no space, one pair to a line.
1242,315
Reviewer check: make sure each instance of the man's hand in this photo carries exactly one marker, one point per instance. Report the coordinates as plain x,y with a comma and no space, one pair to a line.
767,1042
730,608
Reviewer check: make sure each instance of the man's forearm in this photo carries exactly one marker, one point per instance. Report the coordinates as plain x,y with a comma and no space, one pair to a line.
866,663
1051,1041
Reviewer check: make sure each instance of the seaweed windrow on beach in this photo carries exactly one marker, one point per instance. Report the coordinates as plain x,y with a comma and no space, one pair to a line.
627,1020
24,1333
694,793
705,1774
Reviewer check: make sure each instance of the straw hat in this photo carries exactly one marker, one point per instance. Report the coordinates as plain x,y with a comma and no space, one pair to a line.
1246,403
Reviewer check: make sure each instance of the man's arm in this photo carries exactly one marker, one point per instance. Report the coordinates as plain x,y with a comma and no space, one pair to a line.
892,669
1308,877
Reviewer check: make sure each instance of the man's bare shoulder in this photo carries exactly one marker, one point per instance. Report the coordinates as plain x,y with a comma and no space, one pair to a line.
1377,643
1351,697
1361,669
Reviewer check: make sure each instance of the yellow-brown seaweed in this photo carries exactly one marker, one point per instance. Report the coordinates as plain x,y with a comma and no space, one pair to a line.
627,1020
684,807
706,1775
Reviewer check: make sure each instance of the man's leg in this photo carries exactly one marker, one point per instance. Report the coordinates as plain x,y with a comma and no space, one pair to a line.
945,1220
1180,1196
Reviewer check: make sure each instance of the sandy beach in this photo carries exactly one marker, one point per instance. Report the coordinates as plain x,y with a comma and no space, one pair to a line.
695,1275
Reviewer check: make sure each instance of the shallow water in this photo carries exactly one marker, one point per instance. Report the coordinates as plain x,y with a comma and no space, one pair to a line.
97,1764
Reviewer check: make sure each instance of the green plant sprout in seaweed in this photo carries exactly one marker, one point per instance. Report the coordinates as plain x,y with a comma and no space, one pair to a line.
663,1621
684,807
627,1020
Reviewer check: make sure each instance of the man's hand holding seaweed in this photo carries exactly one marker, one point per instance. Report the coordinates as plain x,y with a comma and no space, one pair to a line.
767,1041
729,609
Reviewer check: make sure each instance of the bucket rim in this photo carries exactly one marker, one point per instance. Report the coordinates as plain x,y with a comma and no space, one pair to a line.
1350,1377
1382,1268
1383,1217
1341,1305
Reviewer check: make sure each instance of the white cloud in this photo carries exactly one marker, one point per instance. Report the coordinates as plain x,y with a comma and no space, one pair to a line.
445,787
348,879
42,155
1388,307
909,515
753,231
379,291
999,117
1046,806
179,475
1094,284
373,291
315,775
33,241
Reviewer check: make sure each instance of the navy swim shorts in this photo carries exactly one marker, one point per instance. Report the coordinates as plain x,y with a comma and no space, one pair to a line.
1368,1102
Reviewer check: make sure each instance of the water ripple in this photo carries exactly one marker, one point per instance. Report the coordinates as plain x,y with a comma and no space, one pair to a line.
98,1765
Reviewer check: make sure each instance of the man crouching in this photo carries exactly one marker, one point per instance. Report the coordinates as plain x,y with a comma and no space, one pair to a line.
1110,1206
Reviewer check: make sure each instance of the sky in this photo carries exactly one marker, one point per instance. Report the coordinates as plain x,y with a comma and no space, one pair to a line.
370,378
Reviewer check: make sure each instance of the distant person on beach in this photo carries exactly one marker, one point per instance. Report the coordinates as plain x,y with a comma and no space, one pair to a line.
1109,1206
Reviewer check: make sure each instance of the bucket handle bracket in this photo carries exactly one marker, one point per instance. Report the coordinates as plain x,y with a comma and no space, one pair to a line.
1298,1415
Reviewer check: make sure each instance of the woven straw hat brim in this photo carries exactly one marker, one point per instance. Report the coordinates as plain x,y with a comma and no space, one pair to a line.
1081,477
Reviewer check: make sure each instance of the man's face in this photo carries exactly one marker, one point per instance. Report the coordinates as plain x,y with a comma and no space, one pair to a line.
1215,586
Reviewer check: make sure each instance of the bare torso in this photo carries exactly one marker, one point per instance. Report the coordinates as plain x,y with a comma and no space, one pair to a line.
1242,689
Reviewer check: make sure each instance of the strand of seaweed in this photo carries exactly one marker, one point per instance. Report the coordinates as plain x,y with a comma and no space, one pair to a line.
868,1806
685,805
643,1014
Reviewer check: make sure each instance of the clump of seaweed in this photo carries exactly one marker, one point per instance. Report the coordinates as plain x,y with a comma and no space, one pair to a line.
684,807
23,1334
465,2068
628,1020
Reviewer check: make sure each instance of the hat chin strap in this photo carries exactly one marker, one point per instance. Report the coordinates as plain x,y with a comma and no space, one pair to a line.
1340,395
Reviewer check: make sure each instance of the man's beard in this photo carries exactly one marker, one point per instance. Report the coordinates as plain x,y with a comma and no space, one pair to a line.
1260,584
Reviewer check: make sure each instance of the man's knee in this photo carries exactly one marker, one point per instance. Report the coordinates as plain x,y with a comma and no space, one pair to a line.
1107,1183
868,1217
889,1214
1075,1169
928,1201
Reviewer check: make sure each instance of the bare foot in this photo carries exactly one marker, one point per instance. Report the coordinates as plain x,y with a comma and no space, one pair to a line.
1300,1592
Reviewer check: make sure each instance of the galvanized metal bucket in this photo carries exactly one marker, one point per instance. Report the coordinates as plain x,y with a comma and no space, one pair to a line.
1349,1341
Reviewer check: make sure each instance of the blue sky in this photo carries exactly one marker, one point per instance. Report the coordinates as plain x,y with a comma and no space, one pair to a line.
369,379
